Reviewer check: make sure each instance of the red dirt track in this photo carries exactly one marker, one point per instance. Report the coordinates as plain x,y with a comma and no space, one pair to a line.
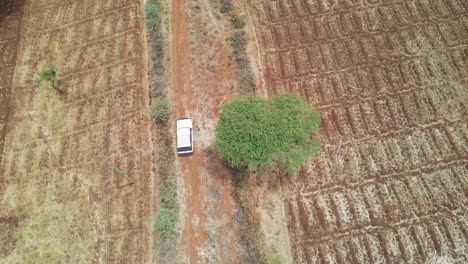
209,228
193,234
390,81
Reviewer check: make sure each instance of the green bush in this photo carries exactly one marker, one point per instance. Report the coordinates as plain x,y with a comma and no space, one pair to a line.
159,110
48,74
253,131
152,12
166,218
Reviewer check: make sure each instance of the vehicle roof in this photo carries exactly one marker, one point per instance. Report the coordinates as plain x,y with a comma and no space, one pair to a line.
184,133
185,122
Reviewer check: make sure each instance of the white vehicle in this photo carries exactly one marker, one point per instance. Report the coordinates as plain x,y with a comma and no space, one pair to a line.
184,136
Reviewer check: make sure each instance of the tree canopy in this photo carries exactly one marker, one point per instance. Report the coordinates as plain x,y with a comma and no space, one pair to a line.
253,131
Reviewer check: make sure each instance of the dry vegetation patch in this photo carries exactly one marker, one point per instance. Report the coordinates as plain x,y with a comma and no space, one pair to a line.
70,205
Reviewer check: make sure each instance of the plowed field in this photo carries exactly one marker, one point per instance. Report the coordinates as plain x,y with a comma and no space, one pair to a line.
10,27
390,79
60,198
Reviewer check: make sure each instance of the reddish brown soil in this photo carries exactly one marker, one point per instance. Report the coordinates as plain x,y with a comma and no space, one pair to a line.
202,76
390,81
193,234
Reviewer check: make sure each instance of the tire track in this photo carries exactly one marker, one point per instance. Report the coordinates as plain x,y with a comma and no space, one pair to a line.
193,233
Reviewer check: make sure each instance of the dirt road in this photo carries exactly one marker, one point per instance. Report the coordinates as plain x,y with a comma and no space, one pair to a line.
193,236
201,79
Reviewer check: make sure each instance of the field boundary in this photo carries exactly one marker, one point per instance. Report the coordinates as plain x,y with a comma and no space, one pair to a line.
163,157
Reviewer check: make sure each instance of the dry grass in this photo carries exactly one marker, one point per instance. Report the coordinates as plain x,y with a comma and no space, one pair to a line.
272,218
249,220
50,233
55,146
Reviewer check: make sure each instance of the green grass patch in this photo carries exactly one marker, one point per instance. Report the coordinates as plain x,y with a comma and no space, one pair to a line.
152,14
159,110
272,257
253,131
36,244
166,218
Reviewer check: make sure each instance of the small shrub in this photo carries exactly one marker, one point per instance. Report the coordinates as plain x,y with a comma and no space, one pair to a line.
166,218
48,74
237,18
152,14
253,131
237,43
234,13
246,78
159,110
226,6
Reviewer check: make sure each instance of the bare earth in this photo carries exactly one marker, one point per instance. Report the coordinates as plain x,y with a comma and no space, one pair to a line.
390,81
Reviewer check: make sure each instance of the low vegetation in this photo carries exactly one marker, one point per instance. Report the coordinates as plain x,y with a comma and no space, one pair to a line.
39,248
226,6
238,43
272,257
234,13
48,74
166,218
159,110
253,131
152,14
167,213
